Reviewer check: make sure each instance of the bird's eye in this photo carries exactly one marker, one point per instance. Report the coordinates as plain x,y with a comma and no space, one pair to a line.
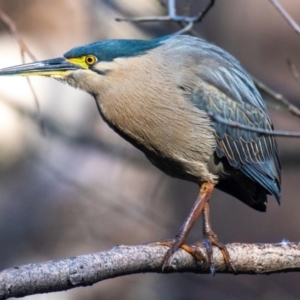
90,59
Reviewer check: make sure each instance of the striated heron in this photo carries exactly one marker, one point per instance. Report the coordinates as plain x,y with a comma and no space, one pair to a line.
157,94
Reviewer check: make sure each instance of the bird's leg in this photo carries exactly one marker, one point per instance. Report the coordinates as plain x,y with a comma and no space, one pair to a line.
178,242
211,239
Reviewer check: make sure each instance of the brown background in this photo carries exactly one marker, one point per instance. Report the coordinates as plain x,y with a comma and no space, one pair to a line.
82,189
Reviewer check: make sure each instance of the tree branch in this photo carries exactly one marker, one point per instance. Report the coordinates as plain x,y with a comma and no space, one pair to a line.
186,22
11,26
260,131
286,16
88,269
289,107
293,70
85,270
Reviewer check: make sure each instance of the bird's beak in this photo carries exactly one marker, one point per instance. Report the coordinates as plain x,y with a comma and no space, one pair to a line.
51,67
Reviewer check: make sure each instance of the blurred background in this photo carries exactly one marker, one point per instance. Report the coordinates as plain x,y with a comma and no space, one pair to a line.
81,189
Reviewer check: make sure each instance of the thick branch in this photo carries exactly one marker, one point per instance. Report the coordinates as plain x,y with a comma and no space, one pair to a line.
88,269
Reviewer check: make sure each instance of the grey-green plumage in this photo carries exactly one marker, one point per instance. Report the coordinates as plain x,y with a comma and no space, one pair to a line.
157,95
191,78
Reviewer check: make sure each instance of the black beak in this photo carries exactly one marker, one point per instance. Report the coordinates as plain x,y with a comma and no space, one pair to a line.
51,67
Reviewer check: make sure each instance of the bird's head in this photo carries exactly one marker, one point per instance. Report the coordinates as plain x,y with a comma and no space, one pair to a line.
85,67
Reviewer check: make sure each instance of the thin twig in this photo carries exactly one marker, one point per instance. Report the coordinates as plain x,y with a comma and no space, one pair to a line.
286,16
187,26
13,29
145,19
187,7
206,10
162,3
38,108
291,108
8,22
293,70
260,131
185,21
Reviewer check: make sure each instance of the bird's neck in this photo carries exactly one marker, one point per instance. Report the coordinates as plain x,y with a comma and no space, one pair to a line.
128,99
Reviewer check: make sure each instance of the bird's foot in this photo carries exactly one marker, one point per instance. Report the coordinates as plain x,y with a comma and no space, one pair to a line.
174,245
211,239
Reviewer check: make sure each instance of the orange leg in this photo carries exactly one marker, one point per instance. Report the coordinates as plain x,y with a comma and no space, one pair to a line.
204,196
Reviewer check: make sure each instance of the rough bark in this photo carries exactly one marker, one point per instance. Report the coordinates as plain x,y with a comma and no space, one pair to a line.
64,274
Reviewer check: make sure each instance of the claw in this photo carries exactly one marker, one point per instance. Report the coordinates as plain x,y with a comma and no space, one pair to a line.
225,253
209,253
174,246
212,240
209,240
178,242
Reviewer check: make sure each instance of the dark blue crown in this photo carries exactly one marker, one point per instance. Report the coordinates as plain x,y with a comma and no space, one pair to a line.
108,50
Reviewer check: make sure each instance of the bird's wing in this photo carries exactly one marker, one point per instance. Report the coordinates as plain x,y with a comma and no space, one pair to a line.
232,96
215,81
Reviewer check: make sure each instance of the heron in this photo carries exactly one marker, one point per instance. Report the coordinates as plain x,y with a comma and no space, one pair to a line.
158,95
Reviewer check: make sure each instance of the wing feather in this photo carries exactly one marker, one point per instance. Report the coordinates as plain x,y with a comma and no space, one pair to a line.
213,80
255,155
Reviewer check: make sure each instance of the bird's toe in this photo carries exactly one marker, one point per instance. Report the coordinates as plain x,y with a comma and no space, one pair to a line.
211,239
174,245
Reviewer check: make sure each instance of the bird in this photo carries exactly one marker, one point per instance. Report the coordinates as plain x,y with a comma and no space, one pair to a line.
159,94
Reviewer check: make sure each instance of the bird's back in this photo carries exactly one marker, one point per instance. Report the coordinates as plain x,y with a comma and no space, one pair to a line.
215,82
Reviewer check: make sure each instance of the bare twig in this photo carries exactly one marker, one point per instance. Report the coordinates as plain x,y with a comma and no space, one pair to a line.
8,22
162,3
260,131
185,21
186,28
65,274
291,108
293,70
187,7
286,16
37,105
206,10
187,24
13,29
